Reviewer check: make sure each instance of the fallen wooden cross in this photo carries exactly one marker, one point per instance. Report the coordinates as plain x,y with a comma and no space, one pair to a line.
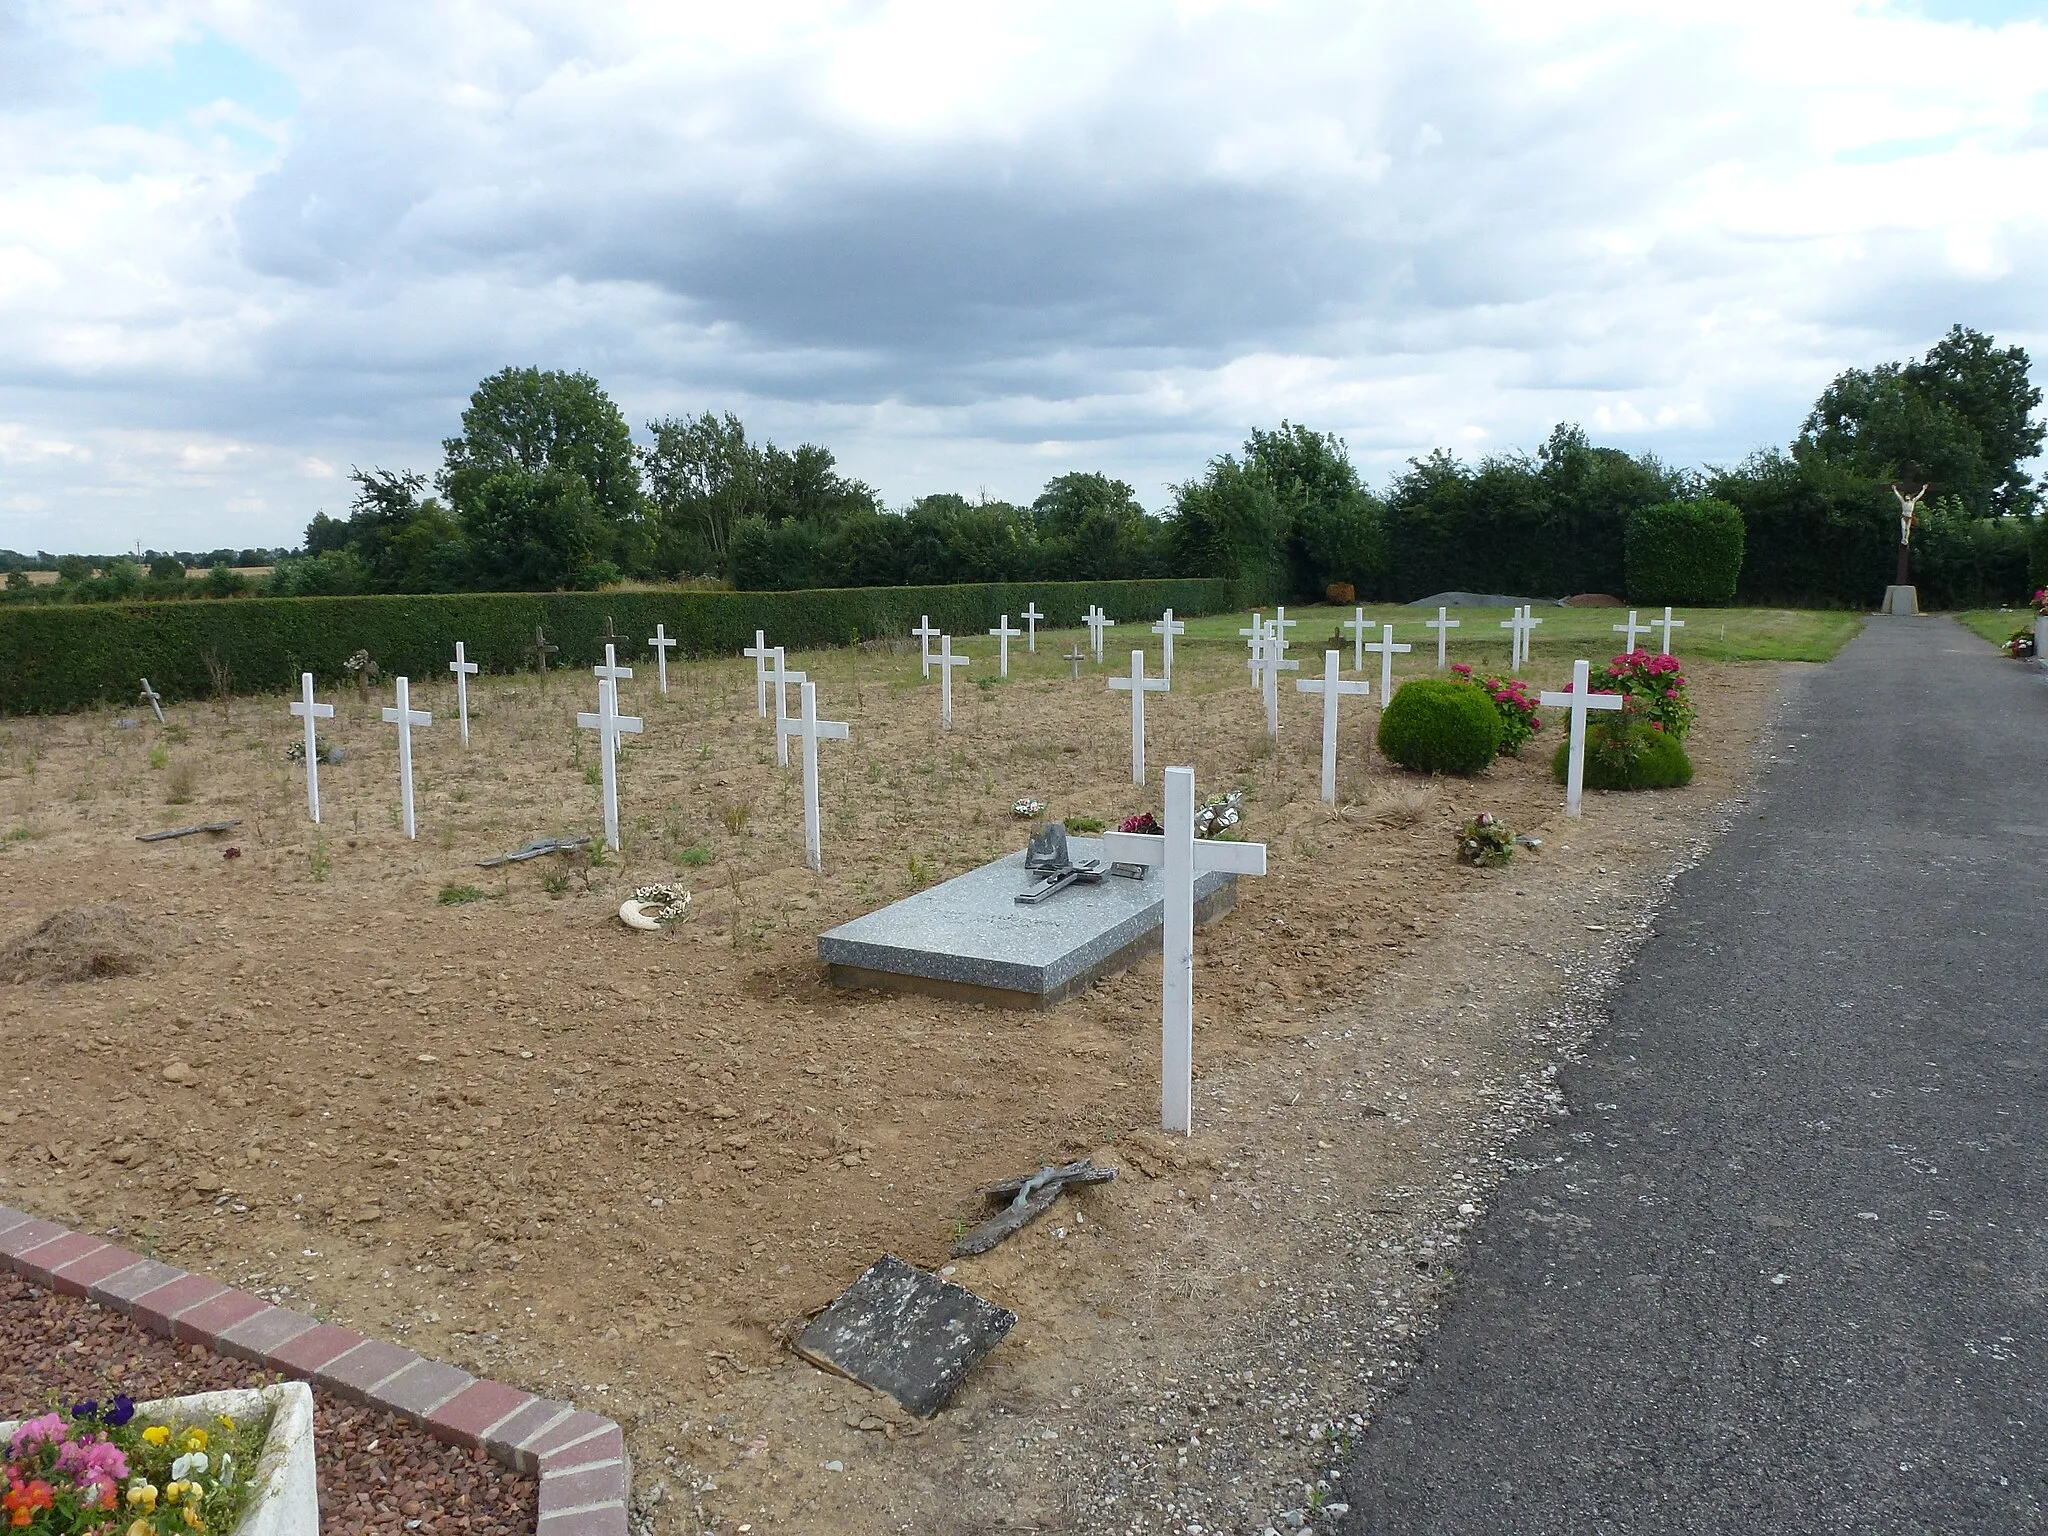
1025,1200
211,826
534,848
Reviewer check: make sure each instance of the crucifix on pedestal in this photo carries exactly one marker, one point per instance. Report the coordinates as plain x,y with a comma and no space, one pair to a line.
1580,699
307,710
608,723
1330,686
464,669
1181,857
405,717
1138,685
810,730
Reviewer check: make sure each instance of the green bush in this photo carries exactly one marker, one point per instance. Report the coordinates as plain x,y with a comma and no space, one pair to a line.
1683,552
61,658
1638,757
1433,725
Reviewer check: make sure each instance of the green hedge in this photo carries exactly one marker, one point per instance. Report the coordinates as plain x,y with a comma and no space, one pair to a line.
1684,552
1641,759
56,659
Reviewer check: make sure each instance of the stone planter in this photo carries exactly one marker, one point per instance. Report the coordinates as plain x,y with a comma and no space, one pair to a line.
285,1500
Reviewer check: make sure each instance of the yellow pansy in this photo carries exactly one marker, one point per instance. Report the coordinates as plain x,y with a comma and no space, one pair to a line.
143,1497
157,1434
226,1422
195,1439
140,1528
192,1517
173,1491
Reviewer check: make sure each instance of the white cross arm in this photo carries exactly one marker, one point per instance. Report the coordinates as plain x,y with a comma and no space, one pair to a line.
318,711
1344,685
1149,685
1566,700
1211,853
413,716
828,730
631,724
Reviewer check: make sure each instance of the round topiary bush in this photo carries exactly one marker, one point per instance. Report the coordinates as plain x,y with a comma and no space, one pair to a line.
1433,725
1643,758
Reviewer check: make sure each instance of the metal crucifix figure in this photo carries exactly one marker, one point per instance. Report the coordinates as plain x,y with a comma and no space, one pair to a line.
1909,507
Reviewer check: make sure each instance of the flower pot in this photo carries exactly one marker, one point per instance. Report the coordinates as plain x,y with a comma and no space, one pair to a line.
285,1500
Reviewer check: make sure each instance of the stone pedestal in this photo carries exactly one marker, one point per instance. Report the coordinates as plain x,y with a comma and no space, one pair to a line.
1901,601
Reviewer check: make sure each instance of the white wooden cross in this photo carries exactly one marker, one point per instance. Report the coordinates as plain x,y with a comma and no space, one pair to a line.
609,723
310,712
1031,618
1255,637
405,717
661,643
1270,661
156,700
1521,625
1138,685
809,729
1631,629
1282,624
1358,626
1180,857
1167,627
1386,648
1097,621
925,636
1329,685
1004,633
778,680
760,650
1578,701
1075,657
1667,624
464,669
1443,624
946,661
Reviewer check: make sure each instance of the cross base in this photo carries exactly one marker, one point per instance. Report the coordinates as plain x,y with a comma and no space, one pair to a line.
1901,600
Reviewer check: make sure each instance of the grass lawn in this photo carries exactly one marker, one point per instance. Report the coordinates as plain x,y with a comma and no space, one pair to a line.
1715,634
1996,624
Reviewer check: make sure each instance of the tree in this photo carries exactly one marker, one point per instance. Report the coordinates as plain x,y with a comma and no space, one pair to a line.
536,423
1989,387
1091,528
704,477
535,531
1228,523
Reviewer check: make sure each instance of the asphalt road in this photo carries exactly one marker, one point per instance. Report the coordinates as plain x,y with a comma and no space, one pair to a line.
1784,1267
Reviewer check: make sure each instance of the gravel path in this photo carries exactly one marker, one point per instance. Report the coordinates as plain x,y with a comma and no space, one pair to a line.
1784,1265
377,1472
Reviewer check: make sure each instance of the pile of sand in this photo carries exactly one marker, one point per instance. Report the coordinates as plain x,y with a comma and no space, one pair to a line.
79,944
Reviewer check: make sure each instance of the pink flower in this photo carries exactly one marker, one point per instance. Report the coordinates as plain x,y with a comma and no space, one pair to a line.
47,1430
93,1461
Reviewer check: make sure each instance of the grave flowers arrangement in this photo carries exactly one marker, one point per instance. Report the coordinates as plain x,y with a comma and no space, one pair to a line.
2021,646
1485,842
1144,823
2041,602
1654,690
1514,703
101,1468
1215,816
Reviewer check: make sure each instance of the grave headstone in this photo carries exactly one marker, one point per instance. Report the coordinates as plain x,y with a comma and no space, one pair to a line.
1631,629
609,723
1004,634
946,661
1166,628
1580,699
541,649
464,669
154,699
810,730
1031,618
779,680
310,712
1138,685
1386,648
925,636
760,650
1667,624
1330,686
1443,624
1181,858
405,717
662,643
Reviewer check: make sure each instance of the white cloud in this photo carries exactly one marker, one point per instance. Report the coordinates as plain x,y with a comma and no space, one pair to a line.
972,247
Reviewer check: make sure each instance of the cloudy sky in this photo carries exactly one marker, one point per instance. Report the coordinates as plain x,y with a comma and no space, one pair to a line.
245,245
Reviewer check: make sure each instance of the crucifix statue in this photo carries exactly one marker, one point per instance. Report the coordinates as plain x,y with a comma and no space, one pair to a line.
1909,507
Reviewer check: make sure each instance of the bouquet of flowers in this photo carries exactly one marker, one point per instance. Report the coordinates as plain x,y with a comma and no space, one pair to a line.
1654,692
1219,813
2021,646
1513,701
1485,841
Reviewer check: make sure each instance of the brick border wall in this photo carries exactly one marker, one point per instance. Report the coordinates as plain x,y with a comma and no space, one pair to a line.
579,1457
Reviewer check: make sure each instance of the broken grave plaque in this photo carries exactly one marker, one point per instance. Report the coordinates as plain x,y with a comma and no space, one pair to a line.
905,1332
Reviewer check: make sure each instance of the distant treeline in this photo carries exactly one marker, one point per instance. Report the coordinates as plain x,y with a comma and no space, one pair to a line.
545,490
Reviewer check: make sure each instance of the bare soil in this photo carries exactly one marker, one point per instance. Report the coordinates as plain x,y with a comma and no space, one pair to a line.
469,1110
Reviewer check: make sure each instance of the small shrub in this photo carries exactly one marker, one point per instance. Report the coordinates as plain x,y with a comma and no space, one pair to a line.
696,856
1515,704
1435,725
319,862
735,814
1084,824
554,884
1683,552
458,895
178,784
1632,755
159,758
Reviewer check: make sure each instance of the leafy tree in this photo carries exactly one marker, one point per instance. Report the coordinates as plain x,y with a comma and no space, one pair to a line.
73,568
1333,525
1091,528
1229,523
326,533
166,568
704,477
542,424
1990,388
531,531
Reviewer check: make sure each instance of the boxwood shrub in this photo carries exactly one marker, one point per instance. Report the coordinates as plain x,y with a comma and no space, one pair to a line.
1640,757
73,657
1435,725
1683,552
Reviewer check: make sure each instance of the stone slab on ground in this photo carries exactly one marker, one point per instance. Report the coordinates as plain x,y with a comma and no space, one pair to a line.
906,1332
968,937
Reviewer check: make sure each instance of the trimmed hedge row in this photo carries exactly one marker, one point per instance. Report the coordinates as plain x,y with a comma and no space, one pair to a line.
1684,552
57,659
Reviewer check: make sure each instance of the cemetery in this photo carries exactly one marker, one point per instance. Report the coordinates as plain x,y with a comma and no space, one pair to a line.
389,1044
